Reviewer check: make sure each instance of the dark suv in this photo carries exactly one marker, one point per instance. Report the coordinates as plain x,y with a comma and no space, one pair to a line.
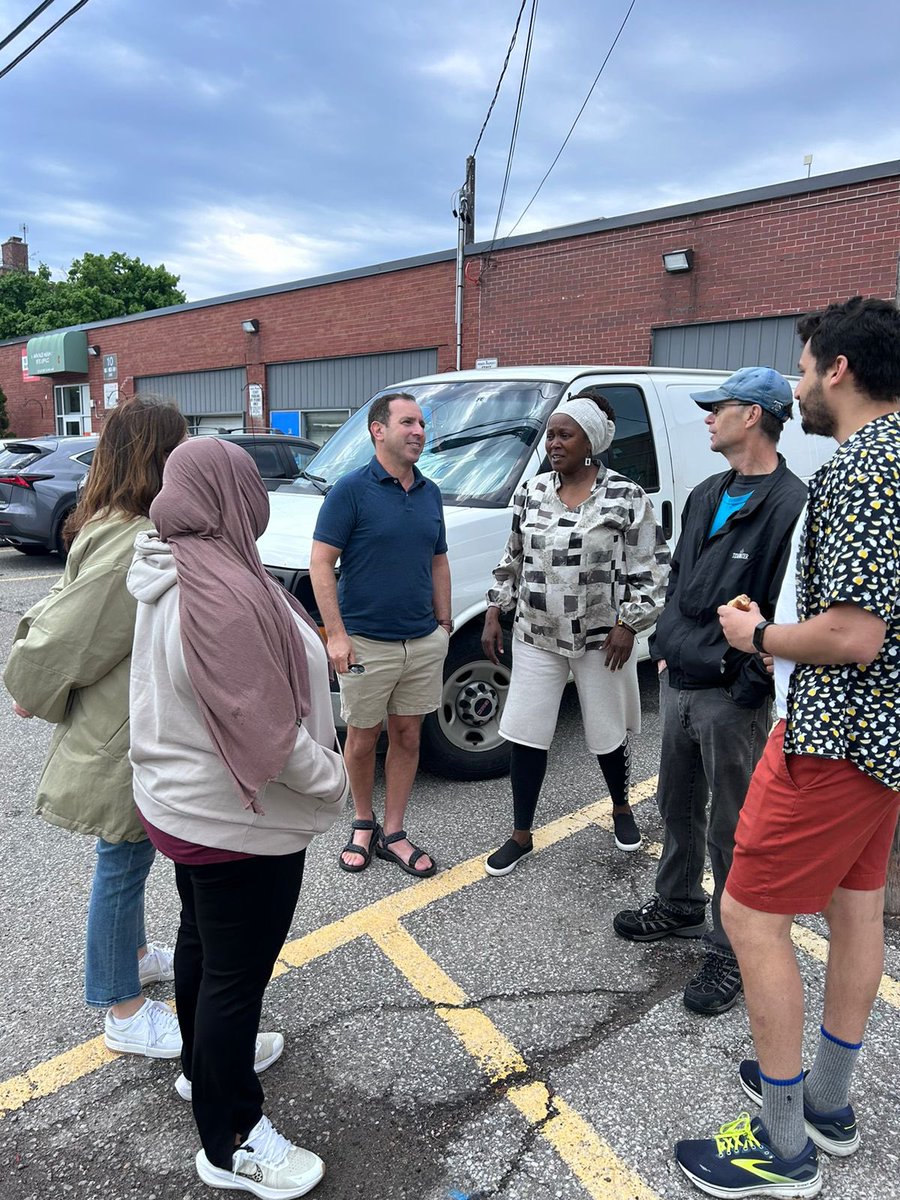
38,482
280,457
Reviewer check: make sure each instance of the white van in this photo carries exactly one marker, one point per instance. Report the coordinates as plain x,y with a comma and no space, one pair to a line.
484,434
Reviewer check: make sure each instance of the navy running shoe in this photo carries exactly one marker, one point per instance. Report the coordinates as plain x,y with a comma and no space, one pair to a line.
738,1161
834,1132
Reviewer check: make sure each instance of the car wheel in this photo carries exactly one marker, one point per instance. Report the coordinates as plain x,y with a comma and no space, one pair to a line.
58,544
462,739
32,549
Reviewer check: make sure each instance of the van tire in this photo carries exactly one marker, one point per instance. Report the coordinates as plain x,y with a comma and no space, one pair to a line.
459,741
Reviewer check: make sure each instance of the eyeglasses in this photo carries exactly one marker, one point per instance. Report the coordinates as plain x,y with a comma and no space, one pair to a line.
717,408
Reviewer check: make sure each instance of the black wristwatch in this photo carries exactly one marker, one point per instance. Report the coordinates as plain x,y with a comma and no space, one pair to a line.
758,634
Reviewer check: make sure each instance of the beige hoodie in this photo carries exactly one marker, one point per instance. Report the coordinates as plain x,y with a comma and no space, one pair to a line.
180,783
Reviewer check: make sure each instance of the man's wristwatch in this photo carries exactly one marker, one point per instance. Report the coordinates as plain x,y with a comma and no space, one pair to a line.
758,634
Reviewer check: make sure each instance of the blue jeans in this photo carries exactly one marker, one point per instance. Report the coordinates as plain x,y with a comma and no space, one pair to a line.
115,925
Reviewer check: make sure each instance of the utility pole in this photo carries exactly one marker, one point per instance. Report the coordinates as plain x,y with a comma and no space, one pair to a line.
465,235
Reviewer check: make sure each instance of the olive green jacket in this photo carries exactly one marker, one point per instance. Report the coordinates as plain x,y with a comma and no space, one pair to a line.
70,664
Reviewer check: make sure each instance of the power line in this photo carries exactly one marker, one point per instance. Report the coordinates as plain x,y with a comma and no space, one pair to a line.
24,24
34,45
500,80
577,118
515,129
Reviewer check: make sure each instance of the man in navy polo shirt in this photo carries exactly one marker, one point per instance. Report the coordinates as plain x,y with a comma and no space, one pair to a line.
390,615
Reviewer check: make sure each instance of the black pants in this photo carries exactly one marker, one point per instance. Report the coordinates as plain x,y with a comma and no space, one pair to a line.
235,917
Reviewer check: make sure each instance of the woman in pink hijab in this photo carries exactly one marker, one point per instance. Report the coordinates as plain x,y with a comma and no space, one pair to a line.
236,769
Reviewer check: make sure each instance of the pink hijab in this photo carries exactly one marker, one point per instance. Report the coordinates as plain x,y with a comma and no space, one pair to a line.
244,654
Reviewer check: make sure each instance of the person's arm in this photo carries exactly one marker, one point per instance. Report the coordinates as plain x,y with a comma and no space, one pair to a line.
646,558
440,588
322,560
844,633
504,595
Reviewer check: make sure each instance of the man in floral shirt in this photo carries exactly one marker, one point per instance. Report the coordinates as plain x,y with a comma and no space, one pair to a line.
817,825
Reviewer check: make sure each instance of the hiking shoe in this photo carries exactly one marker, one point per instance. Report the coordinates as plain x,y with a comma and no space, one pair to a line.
157,965
716,986
269,1048
507,858
267,1164
152,1031
626,832
834,1132
738,1161
653,921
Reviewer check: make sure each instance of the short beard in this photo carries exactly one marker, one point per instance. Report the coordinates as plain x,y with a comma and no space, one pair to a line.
814,415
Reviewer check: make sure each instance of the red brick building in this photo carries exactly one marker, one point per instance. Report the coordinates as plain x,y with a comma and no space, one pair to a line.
597,292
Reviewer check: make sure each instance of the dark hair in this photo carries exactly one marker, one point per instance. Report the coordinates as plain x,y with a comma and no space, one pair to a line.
380,410
596,394
867,334
126,470
770,426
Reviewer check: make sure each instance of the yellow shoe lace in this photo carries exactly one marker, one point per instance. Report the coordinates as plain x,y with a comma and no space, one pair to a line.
736,1135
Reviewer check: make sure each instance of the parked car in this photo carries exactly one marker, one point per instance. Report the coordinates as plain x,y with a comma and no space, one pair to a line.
280,457
484,433
38,482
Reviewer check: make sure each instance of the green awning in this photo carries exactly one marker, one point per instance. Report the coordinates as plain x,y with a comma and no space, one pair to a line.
58,353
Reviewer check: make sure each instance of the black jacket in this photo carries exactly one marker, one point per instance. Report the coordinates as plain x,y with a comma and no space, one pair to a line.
748,554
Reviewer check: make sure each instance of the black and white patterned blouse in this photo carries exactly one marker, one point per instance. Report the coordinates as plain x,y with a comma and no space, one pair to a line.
849,552
571,574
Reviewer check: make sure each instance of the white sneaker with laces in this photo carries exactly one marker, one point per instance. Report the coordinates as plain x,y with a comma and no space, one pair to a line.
157,965
269,1048
267,1164
152,1031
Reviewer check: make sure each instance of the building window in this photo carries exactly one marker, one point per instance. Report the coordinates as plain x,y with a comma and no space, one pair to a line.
319,424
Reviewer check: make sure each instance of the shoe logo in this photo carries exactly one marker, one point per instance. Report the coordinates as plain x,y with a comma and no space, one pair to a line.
255,1176
754,1167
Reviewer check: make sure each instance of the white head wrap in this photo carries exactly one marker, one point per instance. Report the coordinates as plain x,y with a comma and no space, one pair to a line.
596,424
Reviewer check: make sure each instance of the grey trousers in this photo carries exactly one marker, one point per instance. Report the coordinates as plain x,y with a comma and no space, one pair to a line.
708,751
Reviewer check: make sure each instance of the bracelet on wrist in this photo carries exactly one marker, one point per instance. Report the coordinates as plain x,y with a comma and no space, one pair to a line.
625,625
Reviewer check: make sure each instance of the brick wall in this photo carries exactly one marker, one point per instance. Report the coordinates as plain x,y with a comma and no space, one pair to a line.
590,298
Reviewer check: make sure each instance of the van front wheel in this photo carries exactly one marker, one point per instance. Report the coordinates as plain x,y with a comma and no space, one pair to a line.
462,739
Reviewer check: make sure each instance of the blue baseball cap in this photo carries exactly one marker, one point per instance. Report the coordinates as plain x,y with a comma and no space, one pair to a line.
752,385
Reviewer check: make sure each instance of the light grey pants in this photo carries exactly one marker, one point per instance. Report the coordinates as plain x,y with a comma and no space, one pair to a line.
708,750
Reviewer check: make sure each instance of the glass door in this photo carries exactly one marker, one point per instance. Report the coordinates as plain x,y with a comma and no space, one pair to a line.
73,409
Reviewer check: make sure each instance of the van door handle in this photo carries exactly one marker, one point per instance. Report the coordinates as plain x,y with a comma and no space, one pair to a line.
668,526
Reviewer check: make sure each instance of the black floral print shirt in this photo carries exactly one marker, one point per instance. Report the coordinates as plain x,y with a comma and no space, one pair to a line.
850,553
571,574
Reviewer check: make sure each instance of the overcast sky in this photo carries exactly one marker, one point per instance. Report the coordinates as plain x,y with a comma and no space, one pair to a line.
248,142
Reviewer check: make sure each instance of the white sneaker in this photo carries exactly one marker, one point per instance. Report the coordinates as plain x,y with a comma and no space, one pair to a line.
152,1031
157,965
267,1164
269,1048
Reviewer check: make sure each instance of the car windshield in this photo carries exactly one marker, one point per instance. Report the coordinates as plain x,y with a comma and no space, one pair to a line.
478,436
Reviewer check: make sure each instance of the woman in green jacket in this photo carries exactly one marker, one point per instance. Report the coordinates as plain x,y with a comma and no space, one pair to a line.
70,665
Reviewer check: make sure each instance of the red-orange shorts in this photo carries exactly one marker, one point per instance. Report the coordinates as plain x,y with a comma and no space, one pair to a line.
809,825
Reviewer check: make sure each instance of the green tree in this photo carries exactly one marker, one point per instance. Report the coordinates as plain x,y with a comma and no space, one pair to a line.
96,287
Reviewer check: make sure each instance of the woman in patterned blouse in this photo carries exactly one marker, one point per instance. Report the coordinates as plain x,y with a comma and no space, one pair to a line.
585,569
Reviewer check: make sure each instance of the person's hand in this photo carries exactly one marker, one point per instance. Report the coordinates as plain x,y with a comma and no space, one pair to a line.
661,666
738,626
21,712
492,636
768,661
618,645
340,653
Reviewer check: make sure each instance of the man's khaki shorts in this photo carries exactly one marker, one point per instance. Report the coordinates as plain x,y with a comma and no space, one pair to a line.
402,679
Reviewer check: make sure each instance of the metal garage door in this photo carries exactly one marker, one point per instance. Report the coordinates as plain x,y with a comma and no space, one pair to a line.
728,345
342,383
209,399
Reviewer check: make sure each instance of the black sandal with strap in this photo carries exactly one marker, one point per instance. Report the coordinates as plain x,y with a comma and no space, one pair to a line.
382,851
365,852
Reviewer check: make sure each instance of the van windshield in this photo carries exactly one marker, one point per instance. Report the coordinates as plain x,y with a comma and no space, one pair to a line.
478,436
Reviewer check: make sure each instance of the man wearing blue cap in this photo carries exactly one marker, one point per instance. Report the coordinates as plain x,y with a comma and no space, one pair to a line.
715,701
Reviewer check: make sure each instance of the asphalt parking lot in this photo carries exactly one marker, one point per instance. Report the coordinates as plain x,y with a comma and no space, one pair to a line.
452,1039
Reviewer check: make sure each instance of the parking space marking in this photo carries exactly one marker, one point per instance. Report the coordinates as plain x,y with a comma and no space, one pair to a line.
592,1161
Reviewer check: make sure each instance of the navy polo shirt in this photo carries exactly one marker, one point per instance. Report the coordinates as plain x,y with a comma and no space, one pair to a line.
387,538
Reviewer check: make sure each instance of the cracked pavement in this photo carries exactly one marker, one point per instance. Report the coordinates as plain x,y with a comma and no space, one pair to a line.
391,1074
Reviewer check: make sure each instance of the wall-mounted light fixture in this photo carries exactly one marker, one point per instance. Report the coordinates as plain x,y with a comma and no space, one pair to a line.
94,351
251,326
678,260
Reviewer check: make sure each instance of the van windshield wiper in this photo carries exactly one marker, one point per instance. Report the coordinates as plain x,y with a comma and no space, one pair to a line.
525,429
315,480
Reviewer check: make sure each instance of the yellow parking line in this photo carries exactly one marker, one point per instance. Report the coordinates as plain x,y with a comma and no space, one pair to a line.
53,1075
592,1160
